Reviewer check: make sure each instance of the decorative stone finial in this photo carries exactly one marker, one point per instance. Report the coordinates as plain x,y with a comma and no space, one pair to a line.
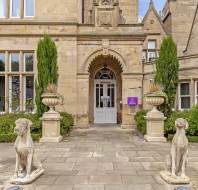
151,3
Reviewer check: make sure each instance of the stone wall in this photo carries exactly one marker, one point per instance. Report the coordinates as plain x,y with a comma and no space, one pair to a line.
61,10
182,13
187,73
66,62
193,37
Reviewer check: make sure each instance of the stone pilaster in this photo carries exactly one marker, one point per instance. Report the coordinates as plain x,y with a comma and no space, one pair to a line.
83,101
129,82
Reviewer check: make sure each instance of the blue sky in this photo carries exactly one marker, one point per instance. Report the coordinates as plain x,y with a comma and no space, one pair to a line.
144,4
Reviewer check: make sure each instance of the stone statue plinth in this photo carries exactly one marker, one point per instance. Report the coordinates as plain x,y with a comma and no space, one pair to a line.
21,180
51,127
174,180
155,126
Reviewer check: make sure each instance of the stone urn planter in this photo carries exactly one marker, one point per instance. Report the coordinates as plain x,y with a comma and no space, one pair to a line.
51,100
155,100
155,118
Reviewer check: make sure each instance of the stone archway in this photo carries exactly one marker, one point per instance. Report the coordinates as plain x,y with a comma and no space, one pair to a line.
105,53
105,89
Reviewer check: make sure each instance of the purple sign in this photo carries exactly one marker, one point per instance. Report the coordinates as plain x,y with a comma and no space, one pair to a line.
132,101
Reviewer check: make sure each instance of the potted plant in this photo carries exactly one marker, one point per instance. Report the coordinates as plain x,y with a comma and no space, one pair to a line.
51,98
155,96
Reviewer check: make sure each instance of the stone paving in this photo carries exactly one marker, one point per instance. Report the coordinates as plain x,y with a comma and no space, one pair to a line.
100,159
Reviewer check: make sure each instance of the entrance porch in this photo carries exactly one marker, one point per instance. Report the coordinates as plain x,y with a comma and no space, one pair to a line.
103,90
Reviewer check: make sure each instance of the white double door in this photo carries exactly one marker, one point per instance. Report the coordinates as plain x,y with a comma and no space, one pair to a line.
105,105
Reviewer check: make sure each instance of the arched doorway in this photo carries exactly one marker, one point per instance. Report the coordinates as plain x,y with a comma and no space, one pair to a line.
105,86
105,105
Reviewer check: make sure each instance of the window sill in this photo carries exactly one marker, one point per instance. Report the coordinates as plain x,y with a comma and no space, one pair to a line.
17,18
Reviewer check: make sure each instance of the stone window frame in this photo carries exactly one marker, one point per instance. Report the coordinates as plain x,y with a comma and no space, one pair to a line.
146,51
153,50
184,96
196,92
22,77
22,11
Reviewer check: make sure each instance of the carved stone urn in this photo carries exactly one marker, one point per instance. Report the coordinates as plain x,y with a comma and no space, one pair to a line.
51,100
155,100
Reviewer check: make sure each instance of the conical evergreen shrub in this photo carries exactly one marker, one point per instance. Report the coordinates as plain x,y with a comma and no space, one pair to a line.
167,70
47,69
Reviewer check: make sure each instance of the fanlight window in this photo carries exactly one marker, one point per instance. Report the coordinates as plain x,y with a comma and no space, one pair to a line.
105,74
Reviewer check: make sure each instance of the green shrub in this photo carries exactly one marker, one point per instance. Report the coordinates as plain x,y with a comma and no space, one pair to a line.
47,69
141,121
67,123
191,116
7,124
167,73
170,122
193,122
7,137
190,138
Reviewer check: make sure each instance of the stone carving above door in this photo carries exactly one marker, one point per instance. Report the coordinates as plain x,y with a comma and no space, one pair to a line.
106,2
106,13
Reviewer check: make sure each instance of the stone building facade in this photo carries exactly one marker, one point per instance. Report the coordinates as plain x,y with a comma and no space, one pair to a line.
104,55
180,17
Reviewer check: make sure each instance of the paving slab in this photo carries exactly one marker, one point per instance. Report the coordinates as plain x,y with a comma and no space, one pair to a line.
100,158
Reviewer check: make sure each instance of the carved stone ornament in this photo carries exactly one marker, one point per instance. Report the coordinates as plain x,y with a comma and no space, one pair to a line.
106,2
175,172
105,18
105,47
28,166
105,43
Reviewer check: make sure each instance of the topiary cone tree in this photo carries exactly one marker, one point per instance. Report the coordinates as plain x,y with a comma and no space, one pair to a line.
167,70
47,69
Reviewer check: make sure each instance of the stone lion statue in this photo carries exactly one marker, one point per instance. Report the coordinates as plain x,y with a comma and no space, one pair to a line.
177,160
28,166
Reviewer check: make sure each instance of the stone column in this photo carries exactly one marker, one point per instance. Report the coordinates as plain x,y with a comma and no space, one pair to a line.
155,126
51,127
